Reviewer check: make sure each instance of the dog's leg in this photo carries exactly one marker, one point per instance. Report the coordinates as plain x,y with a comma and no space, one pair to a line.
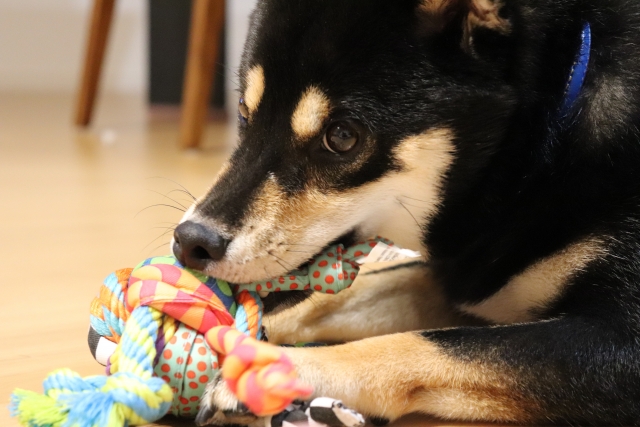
399,299
567,370
570,370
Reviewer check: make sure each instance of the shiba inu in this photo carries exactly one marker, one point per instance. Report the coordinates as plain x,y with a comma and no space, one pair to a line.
502,137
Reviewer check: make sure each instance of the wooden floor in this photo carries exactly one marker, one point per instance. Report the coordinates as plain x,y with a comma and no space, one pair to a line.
76,206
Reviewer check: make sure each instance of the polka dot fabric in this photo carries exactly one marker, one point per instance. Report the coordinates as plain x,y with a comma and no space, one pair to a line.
202,318
184,360
187,365
330,272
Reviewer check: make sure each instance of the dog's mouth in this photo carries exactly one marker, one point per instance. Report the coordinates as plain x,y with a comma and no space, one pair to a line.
275,302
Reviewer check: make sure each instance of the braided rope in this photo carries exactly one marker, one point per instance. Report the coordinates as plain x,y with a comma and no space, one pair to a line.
159,308
139,309
132,396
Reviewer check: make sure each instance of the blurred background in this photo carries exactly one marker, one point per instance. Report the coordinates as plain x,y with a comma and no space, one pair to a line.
42,48
86,194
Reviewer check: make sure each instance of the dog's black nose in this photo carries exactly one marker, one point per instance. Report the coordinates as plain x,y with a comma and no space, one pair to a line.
196,245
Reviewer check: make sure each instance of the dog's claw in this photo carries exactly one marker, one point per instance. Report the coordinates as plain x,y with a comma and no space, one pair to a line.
240,409
204,416
219,406
379,421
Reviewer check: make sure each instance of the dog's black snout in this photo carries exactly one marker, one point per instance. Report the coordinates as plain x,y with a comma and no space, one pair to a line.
196,245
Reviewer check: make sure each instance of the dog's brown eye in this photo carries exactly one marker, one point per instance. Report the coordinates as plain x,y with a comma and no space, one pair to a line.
243,111
341,137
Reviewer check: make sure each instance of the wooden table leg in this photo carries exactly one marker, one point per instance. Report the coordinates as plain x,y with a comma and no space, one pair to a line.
101,18
207,21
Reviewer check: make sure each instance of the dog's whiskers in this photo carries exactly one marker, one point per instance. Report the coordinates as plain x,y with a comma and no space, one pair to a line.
159,246
169,230
291,267
170,198
177,183
301,252
158,205
282,265
180,190
409,212
412,198
233,70
413,206
163,228
306,246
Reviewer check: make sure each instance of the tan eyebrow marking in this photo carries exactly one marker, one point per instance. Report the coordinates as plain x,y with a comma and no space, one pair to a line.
255,88
310,114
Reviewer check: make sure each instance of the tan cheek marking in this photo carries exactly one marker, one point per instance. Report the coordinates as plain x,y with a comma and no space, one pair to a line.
436,6
310,114
260,230
425,159
255,88
276,219
416,189
538,286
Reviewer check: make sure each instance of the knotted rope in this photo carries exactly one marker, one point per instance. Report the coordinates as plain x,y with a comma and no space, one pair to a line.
173,328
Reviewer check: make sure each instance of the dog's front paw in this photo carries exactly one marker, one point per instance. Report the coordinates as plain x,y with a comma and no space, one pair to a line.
219,406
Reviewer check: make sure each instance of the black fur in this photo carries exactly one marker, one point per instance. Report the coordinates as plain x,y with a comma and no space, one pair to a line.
525,183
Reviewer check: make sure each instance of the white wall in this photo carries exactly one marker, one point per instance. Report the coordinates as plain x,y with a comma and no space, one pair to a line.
238,12
42,44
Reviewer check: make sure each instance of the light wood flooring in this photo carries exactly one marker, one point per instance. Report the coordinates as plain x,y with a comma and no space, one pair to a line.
75,205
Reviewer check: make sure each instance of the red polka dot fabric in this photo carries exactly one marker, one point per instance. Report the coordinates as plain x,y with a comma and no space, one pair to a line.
330,272
187,365
187,362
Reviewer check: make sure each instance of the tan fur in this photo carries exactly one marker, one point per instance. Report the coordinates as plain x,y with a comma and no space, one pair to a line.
538,286
483,13
416,190
437,7
383,303
255,88
310,114
366,375
486,13
479,13
403,200
394,375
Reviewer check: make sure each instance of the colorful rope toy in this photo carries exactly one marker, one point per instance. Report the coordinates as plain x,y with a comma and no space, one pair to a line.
163,331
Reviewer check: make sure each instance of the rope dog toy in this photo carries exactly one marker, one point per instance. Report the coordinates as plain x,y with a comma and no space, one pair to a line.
170,330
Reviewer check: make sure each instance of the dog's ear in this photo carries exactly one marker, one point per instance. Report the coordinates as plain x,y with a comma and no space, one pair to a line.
436,15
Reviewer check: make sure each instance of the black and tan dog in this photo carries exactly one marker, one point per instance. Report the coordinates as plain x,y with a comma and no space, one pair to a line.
439,123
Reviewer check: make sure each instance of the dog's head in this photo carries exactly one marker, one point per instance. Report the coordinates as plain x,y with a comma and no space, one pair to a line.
353,114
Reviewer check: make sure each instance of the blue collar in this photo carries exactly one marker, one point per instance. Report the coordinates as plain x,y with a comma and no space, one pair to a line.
578,74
